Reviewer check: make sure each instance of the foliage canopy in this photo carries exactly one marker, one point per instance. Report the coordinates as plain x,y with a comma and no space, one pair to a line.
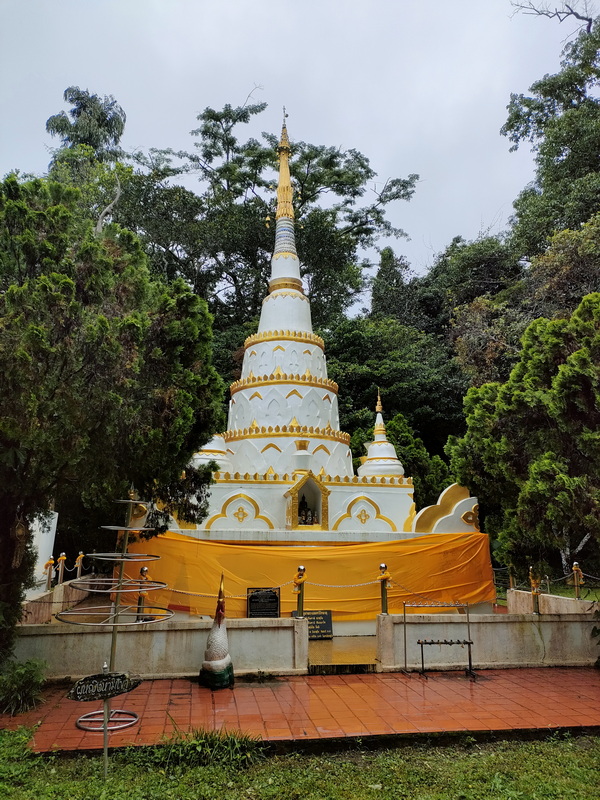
532,447
107,376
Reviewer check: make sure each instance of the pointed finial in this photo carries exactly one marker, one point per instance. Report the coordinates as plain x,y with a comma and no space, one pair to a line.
284,142
284,188
220,612
378,407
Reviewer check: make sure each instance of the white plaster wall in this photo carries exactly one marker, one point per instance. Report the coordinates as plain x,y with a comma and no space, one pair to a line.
393,502
390,501
43,531
284,265
268,498
279,404
255,455
454,523
169,648
285,309
499,641
520,602
280,646
281,536
261,358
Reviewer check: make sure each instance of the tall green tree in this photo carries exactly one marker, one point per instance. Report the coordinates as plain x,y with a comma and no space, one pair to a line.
392,291
461,273
532,451
486,335
487,332
89,153
220,237
107,375
93,121
560,118
569,269
414,372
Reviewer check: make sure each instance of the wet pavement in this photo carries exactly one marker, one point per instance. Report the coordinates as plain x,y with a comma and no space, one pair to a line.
318,707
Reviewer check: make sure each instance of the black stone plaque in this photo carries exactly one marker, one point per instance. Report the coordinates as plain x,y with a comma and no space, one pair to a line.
262,602
319,624
103,686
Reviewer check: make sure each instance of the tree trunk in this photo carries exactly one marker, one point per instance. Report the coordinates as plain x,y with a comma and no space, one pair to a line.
13,578
565,553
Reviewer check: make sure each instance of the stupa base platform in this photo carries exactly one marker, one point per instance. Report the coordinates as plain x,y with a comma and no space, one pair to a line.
297,537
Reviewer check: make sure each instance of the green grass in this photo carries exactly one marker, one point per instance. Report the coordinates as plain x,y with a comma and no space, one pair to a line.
553,769
588,591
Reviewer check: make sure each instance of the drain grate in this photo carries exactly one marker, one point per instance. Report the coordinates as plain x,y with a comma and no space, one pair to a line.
342,655
340,669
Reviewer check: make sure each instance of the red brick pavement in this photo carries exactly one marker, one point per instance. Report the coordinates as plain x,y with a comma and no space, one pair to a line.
320,707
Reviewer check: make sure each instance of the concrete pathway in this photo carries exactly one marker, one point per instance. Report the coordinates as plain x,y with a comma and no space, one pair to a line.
325,707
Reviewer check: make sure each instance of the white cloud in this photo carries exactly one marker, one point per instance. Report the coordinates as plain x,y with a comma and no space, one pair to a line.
417,86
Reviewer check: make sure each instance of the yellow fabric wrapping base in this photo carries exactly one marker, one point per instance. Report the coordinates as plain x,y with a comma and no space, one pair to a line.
445,568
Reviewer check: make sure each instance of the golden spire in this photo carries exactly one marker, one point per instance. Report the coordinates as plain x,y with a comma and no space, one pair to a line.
379,424
284,189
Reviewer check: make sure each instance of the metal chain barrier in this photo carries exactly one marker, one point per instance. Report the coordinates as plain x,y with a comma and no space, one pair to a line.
341,585
227,596
591,577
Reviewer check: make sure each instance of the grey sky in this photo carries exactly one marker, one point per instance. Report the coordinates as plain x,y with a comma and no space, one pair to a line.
417,85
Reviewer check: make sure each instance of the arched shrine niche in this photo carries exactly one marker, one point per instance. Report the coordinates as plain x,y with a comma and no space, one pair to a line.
307,505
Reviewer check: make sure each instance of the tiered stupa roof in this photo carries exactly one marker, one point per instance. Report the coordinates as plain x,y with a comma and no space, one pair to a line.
285,467
284,395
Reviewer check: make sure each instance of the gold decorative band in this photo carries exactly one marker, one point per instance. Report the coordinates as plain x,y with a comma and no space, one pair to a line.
283,377
286,336
286,430
285,283
274,477
284,204
275,293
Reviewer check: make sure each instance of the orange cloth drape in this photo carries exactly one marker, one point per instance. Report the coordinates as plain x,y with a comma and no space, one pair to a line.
436,567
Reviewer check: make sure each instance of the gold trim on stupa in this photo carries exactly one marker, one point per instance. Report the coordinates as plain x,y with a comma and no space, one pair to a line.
286,336
285,207
280,377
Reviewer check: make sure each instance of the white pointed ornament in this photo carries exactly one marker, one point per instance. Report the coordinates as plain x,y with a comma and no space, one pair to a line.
217,668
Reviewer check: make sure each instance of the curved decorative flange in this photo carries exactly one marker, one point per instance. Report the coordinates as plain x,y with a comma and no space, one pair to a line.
107,615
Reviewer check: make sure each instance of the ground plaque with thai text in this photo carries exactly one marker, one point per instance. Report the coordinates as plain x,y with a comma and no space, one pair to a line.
319,624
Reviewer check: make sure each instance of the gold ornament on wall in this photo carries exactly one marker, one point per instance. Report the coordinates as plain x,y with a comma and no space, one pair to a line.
472,517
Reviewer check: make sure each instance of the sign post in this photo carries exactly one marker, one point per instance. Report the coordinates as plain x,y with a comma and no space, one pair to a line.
102,687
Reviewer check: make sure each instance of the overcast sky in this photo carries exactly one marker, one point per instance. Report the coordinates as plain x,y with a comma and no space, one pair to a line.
417,85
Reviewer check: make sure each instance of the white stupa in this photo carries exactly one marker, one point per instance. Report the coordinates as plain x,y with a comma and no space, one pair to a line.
286,473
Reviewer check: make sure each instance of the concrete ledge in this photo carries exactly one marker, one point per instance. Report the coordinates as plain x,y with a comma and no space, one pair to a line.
276,646
499,641
520,602
42,608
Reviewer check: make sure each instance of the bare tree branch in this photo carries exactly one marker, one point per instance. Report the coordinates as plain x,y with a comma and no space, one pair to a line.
582,543
561,14
108,209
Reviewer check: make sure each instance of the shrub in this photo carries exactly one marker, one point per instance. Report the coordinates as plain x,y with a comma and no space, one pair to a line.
21,685
200,748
